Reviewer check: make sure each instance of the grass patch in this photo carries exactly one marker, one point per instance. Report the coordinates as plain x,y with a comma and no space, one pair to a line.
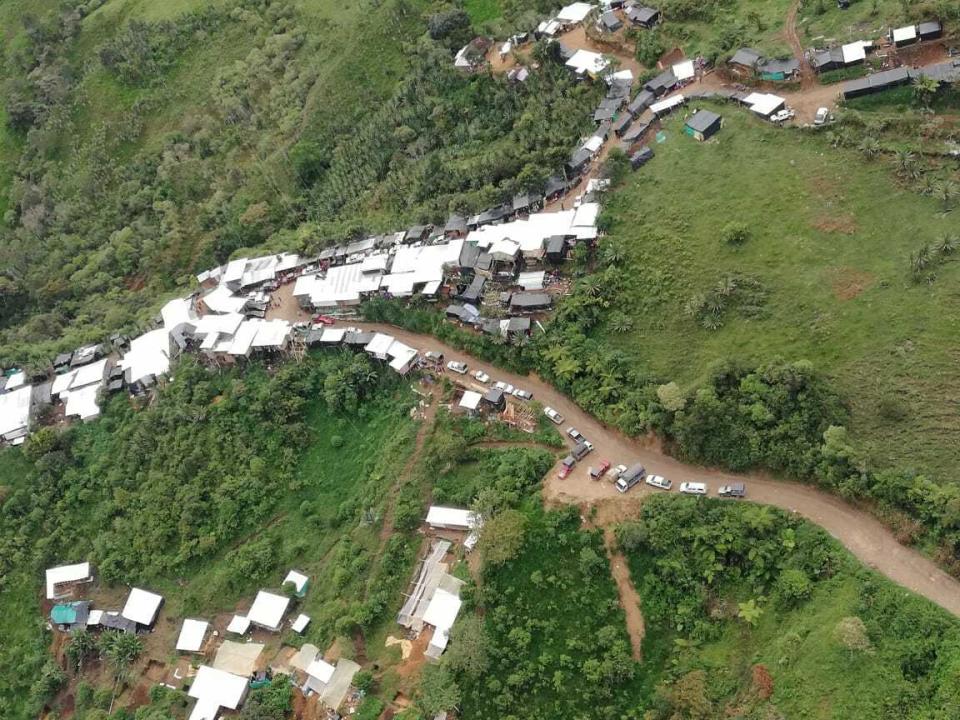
481,11
830,240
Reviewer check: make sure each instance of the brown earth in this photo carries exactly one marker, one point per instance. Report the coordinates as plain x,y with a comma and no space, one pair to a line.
847,283
845,224
629,598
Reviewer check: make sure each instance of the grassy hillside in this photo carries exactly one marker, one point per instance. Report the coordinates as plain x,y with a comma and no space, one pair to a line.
824,276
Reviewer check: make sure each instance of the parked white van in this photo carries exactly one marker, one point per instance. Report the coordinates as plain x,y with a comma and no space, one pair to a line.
693,488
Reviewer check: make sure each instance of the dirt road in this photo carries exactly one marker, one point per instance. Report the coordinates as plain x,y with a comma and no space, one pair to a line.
808,78
860,532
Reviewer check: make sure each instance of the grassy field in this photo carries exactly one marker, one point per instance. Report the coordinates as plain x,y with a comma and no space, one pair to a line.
791,660
827,258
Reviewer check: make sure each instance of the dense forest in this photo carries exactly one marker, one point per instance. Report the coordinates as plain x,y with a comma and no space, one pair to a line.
144,150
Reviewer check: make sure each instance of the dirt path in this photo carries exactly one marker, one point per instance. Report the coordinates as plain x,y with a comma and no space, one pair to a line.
860,532
429,413
808,78
629,598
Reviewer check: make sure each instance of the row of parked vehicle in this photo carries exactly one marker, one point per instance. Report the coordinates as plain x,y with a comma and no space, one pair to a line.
480,376
626,478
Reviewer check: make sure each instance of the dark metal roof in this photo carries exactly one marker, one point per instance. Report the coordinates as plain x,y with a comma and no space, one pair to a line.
530,300
748,57
636,131
702,120
603,113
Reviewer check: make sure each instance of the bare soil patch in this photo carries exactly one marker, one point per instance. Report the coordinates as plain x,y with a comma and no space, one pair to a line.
844,224
847,283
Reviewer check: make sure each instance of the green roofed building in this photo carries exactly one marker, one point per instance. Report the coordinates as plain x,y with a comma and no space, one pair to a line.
74,613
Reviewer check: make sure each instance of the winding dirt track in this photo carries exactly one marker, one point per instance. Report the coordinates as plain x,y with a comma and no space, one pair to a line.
859,531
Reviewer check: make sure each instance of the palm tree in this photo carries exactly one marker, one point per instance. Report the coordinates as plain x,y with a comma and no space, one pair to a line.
749,612
920,261
621,323
947,244
870,147
81,646
907,167
924,89
946,192
121,649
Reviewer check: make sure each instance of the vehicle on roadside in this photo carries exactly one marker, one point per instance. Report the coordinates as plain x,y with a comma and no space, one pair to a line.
598,472
782,116
631,476
566,467
324,320
581,449
574,433
658,481
554,416
522,394
693,488
506,387
733,490
823,114
457,367
481,376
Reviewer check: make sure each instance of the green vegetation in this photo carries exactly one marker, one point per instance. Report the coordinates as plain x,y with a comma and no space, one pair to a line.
769,616
226,480
145,145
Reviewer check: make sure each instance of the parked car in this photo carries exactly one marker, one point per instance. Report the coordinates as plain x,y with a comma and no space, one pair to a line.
782,116
457,367
481,376
556,417
658,481
574,433
823,114
598,472
631,476
616,472
522,394
506,387
325,320
566,467
693,488
581,449
734,490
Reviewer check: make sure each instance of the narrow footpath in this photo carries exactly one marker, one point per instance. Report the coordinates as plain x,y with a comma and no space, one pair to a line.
868,539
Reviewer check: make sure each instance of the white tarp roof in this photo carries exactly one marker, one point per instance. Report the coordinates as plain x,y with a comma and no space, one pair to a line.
192,633
763,103
575,12
443,609
664,105
593,144
380,344
298,579
65,574
909,32
222,300
300,624
451,517
149,354
470,400
82,403
620,75
15,410
176,312
61,383
268,609
94,373
341,284
532,279
141,606
243,339
239,624
529,232
853,52
585,61
215,689
684,70
16,380
321,670
226,324
586,215
401,356
233,272
271,333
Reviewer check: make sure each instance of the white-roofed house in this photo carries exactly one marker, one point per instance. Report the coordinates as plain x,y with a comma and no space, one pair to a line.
268,610
149,354
442,614
684,70
903,35
215,689
62,580
15,414
300,624
470,402
379,345
192,633
586,62
574,13
319,673
239,624
142,607
402,357
447,518
299,581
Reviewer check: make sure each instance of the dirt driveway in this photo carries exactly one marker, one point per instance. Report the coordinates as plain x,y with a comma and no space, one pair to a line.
858,531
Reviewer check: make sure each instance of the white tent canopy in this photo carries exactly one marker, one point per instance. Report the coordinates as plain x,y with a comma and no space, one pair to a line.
239,624
684,70
215,689
15,411
298,579
268,610
80,572
142,606
585,61
574,13
448,517
470,400
192,633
